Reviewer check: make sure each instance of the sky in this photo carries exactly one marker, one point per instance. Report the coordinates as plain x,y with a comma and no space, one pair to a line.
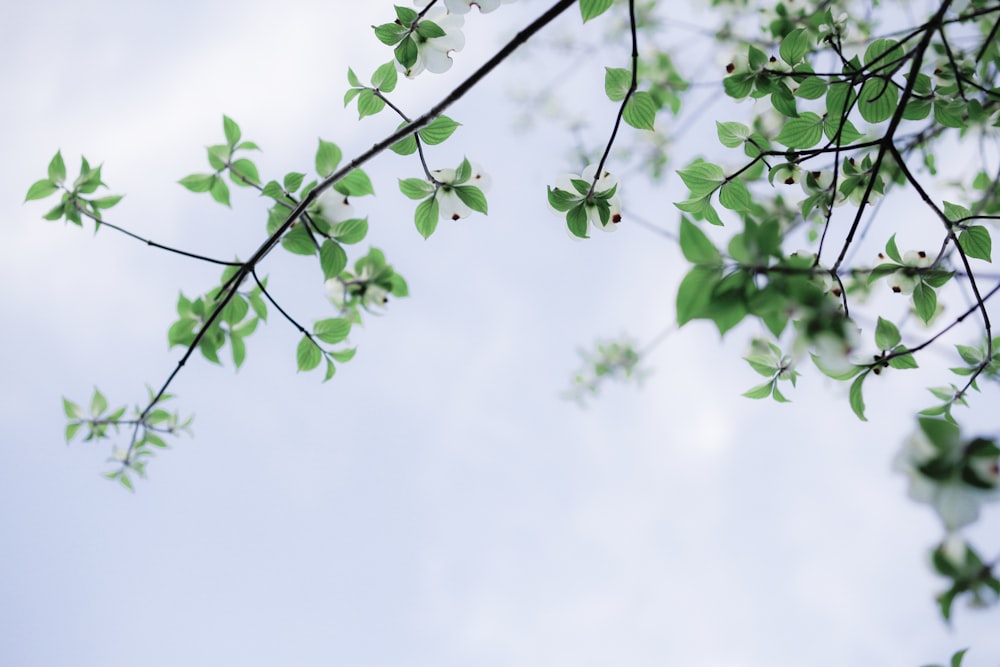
436,503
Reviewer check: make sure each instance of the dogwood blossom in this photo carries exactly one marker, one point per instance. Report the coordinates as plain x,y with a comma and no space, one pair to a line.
905,281
942,474
605,183
434,54
450,205
335,206
463,6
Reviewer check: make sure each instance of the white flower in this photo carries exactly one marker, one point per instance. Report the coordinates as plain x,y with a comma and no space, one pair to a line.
336,292
463,6
335,206
606,182
833,353
838,27
450,205
903,281
955,501
434,54
786,173
374,295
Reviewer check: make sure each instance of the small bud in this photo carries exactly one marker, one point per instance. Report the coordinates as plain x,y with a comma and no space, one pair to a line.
730,68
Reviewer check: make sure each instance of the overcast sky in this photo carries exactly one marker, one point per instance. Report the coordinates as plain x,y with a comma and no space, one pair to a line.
437,503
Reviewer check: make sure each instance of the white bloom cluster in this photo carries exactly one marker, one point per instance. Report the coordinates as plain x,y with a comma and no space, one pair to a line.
434,53
904,281
463,6
335,206
947,473
604,184
450,205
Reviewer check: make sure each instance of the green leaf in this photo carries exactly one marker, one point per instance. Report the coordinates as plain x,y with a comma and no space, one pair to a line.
369,103
218,156
760,391
406,53
976,242
98,404
590,9
405,15
576,220
293,181
238,348
416,188
640,111
330,370
561,200
956,659
924,302
354,184
298,241
942,433
950,113
472,197
886,335
41,189
198,182
696,246
385,77
220,191
235,310
55,213
390,33
350,94
232,131
72,410
463,173
695,292
328,156
332,330
892,251
106,202
308,354
878,100
72,429
617,82
430,30
352,78
332,259
702,178
735,196
856,398
350,231
438,130
426,216
811,88
57,169
903,361
803,132
732,134
244,170
345,355
406,146
883,55
794,46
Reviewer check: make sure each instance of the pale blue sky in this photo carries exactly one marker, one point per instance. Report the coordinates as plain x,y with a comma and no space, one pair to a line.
436,503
